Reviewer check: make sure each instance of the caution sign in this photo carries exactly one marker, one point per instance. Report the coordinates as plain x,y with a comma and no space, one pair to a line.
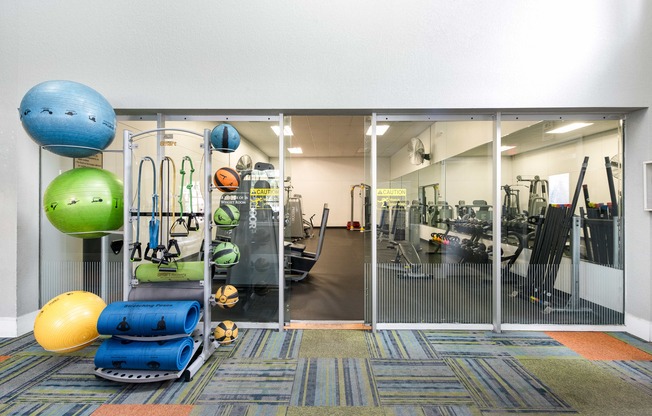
391,197
263,198
266,192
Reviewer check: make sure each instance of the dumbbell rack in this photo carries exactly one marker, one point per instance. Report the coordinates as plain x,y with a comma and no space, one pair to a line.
202,334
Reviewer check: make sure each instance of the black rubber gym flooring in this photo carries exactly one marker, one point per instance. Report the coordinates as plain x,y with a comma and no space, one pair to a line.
334,289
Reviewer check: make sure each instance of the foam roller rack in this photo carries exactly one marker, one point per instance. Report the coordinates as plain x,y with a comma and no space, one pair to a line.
150,376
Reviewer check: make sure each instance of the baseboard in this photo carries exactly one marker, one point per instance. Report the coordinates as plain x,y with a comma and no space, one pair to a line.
15,327
638,327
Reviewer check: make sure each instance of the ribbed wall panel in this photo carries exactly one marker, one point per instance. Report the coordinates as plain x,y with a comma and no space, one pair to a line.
66,276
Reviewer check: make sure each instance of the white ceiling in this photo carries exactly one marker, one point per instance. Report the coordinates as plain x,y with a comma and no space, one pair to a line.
329,136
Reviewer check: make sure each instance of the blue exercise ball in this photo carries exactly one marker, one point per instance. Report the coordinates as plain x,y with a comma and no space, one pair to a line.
225,138
68,118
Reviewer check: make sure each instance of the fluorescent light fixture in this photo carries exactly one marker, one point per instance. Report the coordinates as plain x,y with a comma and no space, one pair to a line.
380,129
503,148
568,127
287,130
295,150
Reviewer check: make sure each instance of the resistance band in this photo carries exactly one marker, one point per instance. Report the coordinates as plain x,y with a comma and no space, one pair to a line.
180,228
136,252
170,251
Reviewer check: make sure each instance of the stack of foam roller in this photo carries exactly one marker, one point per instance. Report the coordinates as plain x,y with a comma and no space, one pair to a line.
147,335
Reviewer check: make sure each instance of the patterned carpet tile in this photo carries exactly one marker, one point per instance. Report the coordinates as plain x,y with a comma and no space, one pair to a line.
637,373
143,410
238,410
503,384
632,340
334,382
260,343
249,381
21,373
486,343
399,344
11,346
48,409
418,382
166,392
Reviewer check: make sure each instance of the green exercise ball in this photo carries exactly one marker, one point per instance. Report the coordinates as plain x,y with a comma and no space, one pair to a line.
85,202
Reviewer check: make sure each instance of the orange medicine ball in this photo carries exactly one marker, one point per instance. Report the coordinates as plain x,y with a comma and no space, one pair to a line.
226,179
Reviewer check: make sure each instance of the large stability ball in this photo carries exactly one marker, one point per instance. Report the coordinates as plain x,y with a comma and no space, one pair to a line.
68,118
68,322
85,202
225,138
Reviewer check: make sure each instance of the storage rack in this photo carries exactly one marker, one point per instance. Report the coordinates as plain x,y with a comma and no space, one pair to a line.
202,334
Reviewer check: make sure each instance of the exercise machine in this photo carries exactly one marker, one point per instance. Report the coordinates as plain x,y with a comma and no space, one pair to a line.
364,195
298,261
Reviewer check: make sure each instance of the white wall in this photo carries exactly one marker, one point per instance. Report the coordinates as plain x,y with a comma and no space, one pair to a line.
328,180
415,54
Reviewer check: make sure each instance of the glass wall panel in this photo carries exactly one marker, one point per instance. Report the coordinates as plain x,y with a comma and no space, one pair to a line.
562,222
434,221
71,257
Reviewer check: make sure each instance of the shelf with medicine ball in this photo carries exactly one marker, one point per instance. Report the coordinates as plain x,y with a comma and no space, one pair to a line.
166,288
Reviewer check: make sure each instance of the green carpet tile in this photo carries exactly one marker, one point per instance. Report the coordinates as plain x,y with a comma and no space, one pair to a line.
589,388
342,372
333,344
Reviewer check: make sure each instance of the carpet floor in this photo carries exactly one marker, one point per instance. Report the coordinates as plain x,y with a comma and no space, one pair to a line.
352,372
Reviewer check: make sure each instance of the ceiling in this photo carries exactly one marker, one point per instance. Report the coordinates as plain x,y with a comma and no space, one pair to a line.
329,136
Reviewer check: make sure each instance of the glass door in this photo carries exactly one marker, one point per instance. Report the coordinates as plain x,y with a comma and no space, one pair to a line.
434,220
562,219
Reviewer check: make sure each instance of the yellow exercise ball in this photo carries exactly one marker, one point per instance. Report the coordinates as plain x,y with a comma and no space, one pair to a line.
68,322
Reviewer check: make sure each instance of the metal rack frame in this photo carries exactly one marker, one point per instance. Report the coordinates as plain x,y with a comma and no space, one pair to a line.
202,334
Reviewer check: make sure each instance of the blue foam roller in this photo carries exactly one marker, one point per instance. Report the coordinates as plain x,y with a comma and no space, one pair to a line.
171,355
149,318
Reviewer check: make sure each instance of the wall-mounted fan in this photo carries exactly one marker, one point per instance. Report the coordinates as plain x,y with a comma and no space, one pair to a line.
616,166
244,163
416,151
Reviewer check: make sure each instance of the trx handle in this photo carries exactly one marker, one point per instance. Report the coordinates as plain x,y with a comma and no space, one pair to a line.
136,252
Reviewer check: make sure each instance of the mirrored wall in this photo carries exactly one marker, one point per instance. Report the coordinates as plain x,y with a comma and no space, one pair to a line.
560,229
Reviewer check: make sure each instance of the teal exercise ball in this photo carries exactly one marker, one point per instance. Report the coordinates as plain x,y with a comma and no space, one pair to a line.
85,202
225,138
68,118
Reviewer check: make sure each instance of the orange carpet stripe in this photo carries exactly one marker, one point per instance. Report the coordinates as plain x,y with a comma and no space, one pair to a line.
4,357
599,346
143,410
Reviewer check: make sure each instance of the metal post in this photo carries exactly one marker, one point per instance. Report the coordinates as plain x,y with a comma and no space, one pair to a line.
575,258
281,227
208,224
126,213
496,240
374,225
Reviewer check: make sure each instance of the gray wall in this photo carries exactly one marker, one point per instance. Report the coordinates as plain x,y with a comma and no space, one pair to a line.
283,55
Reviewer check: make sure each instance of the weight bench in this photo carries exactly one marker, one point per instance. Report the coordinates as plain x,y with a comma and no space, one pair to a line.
412,267
298,261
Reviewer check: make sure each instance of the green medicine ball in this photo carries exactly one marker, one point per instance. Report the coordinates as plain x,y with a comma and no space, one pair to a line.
227,216
225,254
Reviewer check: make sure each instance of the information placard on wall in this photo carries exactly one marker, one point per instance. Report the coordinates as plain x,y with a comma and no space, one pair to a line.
94,161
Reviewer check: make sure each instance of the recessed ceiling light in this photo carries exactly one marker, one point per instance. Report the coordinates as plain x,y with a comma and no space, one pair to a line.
287,130
568,127
295,150
380,129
